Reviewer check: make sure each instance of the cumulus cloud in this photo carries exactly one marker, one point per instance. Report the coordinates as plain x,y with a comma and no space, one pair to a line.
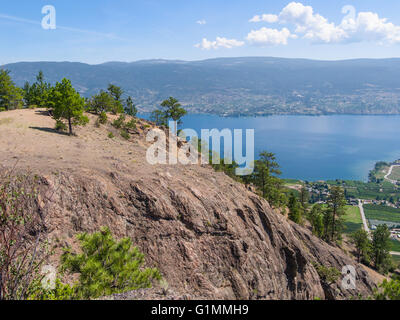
366,26
270,18
267,36
201,22
312,25
219,43
301,21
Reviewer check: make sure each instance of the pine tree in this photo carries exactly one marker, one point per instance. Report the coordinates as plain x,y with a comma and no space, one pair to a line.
10,95
130,108
106,266
333,216
37,95
102,102
381,248
265,178
294,209
362,243
116,92
304,200
316,218
388,290
67,104
170,109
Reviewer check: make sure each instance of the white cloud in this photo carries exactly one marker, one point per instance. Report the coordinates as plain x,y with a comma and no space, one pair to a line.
270,18
369,27
201,22
312,25
219,43
267,36
304,22
366,26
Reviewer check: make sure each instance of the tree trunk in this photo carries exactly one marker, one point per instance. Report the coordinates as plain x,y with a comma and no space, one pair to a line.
70,126
333,223
263,185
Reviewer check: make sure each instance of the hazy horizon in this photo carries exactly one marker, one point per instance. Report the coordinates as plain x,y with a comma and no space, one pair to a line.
197,60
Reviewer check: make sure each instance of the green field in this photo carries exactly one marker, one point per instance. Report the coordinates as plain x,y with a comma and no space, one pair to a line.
292,181
352,219
368,191
383,213
395,174
396,259
395,245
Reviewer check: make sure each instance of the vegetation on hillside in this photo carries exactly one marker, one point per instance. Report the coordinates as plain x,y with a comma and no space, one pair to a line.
11,97
388,290
106,266
170,109
381,249
102,102
103,266
363,246
67,104
22,245
37,94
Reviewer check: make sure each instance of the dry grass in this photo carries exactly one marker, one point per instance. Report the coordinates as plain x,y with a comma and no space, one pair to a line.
6,121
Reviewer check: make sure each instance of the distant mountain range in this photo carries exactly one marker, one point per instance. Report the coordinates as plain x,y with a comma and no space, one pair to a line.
239,86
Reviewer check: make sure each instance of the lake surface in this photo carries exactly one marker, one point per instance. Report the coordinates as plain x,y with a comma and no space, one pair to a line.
315,148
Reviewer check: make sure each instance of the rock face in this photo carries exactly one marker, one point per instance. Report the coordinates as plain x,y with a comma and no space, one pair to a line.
209,236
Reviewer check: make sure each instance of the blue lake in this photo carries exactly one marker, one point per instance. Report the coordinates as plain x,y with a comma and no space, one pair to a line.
315,148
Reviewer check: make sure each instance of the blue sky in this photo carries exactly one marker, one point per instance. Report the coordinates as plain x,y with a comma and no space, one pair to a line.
128,30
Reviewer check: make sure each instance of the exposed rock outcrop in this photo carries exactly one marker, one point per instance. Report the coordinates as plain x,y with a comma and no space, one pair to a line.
215,240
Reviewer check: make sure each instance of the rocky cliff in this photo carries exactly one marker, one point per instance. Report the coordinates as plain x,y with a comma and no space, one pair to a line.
209,236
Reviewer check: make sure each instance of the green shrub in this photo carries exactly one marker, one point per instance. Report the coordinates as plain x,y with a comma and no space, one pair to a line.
60,126
327,275
103,118
111,135
125,134
60,292
106,266
82,121
130,125
388,290
118,123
